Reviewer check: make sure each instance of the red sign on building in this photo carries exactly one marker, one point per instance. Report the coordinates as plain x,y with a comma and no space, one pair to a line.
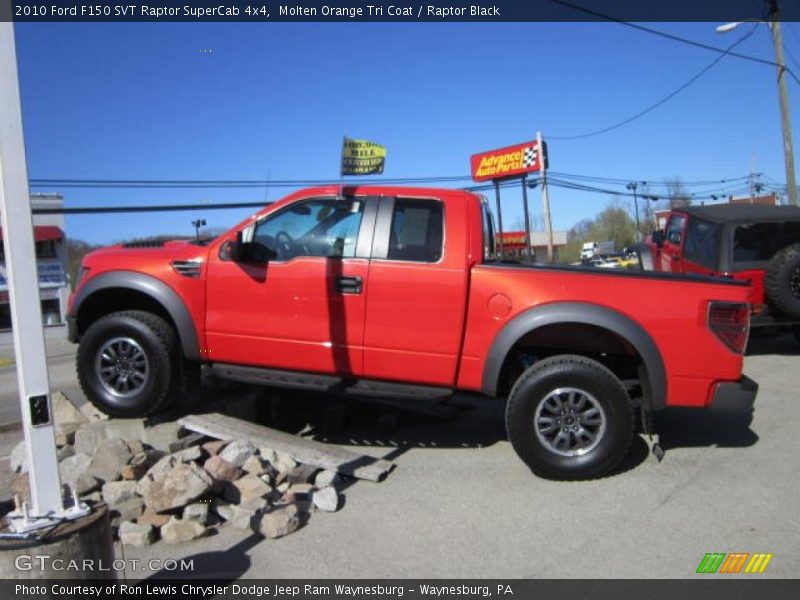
506,162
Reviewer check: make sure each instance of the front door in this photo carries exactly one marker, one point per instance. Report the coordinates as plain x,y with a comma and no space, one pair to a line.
304,310
673,244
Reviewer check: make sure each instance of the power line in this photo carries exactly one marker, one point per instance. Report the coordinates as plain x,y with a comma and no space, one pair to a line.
664,100
145,208
671,36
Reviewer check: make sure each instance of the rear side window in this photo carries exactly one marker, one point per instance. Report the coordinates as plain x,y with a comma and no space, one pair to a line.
417,232
760,242
701,242
674,232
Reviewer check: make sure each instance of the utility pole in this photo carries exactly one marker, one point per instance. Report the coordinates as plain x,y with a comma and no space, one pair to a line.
548,225
786,122
632,186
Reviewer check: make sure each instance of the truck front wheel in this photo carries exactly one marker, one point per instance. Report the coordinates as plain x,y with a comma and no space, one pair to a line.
127,363
569,417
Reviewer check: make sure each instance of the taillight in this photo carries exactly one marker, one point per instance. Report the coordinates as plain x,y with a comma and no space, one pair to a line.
730,322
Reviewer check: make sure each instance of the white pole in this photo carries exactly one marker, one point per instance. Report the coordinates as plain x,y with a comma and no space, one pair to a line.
548,225
23,287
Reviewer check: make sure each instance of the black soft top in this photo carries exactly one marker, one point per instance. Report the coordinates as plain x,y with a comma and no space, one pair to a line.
743,213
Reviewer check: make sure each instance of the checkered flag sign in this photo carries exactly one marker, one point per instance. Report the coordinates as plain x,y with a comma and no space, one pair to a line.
530,156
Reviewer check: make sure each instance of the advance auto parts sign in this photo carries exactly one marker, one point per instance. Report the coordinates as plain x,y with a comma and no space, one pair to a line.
506,162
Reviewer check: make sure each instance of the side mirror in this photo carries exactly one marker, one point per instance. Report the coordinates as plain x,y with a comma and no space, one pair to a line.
658,237
249,252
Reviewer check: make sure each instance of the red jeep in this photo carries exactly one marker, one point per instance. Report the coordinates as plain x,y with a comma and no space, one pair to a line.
746,242
390,291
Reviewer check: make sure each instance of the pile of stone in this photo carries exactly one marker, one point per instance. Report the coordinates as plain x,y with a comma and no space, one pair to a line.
159,483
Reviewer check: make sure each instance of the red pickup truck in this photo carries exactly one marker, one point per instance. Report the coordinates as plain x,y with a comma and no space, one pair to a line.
398,292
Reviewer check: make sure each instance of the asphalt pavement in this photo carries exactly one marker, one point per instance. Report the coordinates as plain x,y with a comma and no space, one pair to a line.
460,504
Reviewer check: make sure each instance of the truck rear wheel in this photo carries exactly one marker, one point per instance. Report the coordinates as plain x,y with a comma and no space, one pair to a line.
569,417
127,363
782,281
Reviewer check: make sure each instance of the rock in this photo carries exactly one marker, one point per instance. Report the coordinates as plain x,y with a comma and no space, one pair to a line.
299,494
326,478
88,437
147,458
160,436
189,454
284,463
253,466
109,458
283,487
302,474
129,510
197,511
65,433
151,517
177,531
94,498
73,472
176,487
326,499
65,452
64,411
116,492
135,446
137,535
19,458
241,517
300,489
92,413
238,451
213,447
133,472
221,470
279,522
163,465
21,487
268,455
246,489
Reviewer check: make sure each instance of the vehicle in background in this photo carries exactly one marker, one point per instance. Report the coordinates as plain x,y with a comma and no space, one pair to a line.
590,250
759,244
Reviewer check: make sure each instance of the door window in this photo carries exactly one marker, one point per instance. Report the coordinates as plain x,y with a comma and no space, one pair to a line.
417,231
674,233
701,243
324,227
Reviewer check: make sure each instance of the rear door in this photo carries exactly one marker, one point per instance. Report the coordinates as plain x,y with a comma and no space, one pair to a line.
417,292
701,247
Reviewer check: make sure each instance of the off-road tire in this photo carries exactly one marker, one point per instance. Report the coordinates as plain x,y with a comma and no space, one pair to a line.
144,334
782,282
538,386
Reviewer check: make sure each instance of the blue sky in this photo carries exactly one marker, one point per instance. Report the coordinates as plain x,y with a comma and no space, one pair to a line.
149,101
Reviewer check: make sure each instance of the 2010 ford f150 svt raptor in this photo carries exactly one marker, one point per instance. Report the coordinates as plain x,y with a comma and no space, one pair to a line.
397,291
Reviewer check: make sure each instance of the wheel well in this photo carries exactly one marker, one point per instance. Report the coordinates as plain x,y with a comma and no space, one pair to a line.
592,341
109,300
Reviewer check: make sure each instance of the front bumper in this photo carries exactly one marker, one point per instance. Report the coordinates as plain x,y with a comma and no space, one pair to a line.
734,397
72,329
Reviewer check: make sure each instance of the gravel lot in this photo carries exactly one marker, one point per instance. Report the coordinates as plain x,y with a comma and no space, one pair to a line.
460,504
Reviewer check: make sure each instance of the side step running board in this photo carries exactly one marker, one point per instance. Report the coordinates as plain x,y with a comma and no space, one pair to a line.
328,383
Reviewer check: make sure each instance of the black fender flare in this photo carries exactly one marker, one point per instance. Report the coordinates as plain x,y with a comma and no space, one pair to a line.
655,387
155,289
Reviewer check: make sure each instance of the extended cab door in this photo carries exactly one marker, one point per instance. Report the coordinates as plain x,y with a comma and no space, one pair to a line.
671,251
417,291
304,309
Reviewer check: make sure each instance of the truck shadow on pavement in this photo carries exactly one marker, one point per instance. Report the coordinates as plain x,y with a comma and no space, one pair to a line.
762,344
694,428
